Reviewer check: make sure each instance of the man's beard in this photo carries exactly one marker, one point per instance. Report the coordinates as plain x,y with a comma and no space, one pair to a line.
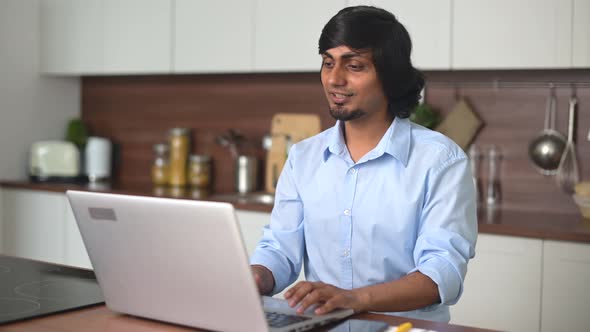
341,114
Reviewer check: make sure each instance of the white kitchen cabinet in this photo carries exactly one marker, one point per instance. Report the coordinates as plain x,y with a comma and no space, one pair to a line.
502,289
251,225
581,31
429,24
207,42
34,224
506,34
287,33
106,36
566,294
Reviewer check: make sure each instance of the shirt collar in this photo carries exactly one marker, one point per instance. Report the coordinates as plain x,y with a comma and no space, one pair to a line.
395,142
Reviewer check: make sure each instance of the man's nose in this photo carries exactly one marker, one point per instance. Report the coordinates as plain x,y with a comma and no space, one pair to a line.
337,76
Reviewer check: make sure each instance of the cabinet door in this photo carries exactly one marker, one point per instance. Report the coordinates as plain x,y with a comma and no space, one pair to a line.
287,33
33,224
71,36
106,36
511,34
213,36
251,225
429,24
581,40
566,295
502,289
75,253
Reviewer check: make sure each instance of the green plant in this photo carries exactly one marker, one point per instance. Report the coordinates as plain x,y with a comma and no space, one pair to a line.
425,116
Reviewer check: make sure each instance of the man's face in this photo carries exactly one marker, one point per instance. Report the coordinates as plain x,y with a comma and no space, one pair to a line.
351,84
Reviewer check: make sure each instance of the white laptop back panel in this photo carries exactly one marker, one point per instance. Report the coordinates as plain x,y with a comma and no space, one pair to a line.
182,272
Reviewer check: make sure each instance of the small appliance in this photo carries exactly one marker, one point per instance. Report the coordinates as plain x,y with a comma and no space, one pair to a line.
98,158
54,161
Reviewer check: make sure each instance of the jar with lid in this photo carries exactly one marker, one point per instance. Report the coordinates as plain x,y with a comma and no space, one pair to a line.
161,166
199,172
179,147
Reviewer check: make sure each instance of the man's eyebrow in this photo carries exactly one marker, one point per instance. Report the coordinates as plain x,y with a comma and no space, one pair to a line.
347,55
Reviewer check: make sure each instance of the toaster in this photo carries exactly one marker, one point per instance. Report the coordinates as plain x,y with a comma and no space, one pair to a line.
54,161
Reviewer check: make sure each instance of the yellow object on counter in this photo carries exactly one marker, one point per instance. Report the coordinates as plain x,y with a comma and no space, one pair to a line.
405,327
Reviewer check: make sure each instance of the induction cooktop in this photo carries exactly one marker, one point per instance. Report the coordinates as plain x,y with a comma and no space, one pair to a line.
30,289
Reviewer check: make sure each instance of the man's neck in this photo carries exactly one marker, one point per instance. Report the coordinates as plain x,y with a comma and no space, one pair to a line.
363,136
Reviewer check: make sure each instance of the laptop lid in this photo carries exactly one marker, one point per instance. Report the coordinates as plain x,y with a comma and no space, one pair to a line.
181,261
173,260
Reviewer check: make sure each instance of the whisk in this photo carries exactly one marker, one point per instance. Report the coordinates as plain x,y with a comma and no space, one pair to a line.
567,172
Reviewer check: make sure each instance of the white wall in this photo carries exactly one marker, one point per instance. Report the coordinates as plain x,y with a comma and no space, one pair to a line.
32,107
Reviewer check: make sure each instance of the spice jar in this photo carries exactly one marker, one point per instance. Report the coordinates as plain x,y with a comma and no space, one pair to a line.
161,166
199,172
179,147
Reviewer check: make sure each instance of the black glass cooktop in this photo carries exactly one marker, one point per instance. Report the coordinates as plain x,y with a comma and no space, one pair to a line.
30,289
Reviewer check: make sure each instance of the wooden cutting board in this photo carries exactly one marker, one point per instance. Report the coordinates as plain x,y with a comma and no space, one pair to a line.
286,129
461,124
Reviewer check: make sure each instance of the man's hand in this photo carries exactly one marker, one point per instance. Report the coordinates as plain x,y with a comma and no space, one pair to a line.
325,296
264,279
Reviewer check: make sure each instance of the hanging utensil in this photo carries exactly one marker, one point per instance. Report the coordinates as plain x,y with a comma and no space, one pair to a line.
567,172
546,149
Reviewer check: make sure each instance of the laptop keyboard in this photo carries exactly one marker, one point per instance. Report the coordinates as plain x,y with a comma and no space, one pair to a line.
276,319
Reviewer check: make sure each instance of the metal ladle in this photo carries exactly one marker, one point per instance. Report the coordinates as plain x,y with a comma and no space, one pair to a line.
546,149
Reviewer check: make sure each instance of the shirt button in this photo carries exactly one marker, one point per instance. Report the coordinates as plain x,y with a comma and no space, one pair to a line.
352,170
347,212
345,253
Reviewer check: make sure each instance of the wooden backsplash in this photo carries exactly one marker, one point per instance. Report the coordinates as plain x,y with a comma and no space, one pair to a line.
137,111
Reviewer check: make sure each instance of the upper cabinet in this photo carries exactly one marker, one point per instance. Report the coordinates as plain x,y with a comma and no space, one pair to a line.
581,31
287,33
106,36
429,24
508,34
109,37
209,37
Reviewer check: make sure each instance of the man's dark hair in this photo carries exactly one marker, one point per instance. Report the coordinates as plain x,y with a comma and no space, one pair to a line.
370,28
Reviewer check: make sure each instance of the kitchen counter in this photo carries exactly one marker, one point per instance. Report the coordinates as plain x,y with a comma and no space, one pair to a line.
99,318
531,224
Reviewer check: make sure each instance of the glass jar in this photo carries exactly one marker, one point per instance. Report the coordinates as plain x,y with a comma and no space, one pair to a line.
161,166
179,147
199,171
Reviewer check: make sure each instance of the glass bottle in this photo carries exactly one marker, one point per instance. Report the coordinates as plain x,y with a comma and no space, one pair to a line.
475,162
494,193
179,147
199,171
161,166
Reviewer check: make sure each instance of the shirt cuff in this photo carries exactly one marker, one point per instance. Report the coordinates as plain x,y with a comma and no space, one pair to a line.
273,262
445,276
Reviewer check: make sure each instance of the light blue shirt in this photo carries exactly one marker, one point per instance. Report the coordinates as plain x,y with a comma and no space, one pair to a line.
407,205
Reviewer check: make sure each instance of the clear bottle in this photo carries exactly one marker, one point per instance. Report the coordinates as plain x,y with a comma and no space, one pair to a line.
179,147
494,191
475,162
161,166
199,171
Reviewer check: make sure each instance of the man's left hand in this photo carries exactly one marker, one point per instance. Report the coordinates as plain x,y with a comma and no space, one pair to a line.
325,296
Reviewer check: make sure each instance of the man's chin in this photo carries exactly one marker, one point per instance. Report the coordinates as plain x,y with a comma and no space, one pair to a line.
342,114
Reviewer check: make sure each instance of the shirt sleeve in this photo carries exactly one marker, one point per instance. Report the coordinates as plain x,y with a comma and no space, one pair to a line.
448,228
282,246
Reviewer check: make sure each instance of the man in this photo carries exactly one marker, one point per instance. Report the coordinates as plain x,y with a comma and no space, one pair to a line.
380,211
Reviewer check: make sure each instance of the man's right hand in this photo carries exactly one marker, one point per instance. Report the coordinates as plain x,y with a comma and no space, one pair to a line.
264,279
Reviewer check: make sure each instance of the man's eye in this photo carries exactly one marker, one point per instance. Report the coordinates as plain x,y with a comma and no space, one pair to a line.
327,64
355,67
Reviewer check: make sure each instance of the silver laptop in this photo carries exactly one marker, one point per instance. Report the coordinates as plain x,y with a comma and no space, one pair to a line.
180,261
